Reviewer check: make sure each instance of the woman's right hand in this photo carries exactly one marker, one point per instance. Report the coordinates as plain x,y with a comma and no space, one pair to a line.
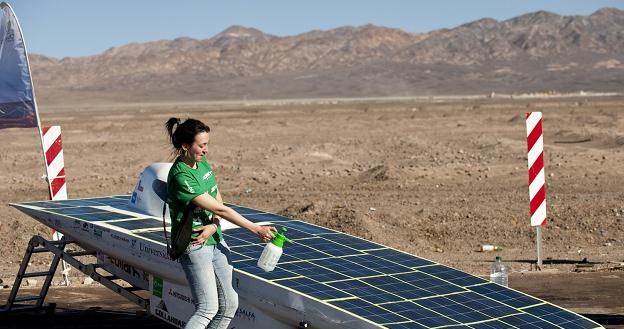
265,233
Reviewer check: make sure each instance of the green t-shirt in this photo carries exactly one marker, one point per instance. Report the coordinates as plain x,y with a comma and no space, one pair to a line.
183,185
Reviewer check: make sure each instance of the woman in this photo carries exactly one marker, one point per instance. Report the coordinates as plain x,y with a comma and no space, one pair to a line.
191,186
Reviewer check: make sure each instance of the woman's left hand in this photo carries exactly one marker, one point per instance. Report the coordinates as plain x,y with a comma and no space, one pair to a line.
207,232
265,233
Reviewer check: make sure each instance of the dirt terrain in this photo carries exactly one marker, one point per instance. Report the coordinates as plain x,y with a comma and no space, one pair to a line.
433,177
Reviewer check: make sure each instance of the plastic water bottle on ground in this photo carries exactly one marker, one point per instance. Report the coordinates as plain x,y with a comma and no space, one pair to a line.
272,251
499,272
489,247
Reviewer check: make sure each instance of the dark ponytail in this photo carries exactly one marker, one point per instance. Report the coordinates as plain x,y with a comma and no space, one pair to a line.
184,132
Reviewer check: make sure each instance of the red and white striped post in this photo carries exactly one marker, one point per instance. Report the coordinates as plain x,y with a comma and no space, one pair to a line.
55,176
537,180
55,163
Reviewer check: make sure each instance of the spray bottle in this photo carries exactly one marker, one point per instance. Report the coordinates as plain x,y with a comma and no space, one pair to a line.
272,251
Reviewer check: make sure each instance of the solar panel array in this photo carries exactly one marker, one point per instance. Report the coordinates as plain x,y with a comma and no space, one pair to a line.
385,286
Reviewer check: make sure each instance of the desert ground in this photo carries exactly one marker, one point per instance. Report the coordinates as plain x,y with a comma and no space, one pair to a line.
434,177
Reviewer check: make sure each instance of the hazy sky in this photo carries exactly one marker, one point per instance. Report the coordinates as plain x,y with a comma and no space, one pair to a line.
60,28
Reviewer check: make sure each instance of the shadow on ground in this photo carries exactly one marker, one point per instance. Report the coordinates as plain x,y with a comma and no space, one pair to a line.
81,319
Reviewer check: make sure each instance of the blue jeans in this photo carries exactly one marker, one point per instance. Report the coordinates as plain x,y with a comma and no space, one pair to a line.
208,270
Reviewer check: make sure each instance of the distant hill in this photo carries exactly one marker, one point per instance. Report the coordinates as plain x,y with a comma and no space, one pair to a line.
539,51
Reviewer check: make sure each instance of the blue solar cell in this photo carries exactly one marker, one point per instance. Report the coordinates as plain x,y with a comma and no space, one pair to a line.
485,305
236,242
46,204
244,210
366,291
77,202
158,236
422,316
378,264
425,281
301,252
329,247
251,251
314,272
77,210
576,321
127,207
237,257
255,250
559,316
290,254
408,325
400,257
121,202
353,242
267,217
346,267
527,321
452,275
251,266
369,311
114,202
398,287
294,234
107,200
448,307
137,224
490,325
286,258
95,217
504,295
312,288
242,234
305,227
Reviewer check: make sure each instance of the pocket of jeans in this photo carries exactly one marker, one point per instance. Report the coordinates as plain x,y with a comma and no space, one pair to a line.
193,247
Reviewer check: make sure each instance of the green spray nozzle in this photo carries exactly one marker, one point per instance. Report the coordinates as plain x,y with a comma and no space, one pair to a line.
280,238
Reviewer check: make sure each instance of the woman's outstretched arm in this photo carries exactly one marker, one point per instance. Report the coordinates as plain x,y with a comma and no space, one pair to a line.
205,201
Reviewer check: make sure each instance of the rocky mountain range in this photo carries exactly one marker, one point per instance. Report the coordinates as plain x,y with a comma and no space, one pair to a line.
535,52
